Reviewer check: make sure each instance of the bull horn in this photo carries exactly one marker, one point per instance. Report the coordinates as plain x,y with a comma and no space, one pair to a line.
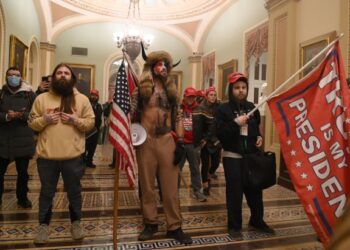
144,56
176,63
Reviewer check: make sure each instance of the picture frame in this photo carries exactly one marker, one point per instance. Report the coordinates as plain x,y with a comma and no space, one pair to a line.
224,70
85,74
176,76
312,47
18,56
208,70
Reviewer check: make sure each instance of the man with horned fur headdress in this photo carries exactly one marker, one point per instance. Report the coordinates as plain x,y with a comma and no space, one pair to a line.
154,105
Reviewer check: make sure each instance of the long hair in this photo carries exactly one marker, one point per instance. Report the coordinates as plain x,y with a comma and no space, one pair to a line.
67,102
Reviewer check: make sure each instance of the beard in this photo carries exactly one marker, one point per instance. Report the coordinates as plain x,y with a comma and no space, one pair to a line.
62,86
161,77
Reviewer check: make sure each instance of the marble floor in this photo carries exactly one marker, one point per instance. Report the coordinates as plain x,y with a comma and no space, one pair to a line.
204,221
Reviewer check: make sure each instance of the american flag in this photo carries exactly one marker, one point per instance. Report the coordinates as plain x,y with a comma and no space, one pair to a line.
119,130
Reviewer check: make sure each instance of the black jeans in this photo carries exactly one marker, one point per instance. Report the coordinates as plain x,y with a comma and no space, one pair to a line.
90,147
49,172
22,178
234,195
210,163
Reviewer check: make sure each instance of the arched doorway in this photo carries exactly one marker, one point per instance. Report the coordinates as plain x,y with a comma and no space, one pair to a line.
33,67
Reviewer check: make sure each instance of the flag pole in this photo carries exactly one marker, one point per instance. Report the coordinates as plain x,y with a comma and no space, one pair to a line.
116,200
295,74
128,60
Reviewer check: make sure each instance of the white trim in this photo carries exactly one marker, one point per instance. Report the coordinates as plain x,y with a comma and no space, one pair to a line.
36,61
2,44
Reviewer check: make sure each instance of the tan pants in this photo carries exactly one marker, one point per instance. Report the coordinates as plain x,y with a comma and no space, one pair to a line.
155,156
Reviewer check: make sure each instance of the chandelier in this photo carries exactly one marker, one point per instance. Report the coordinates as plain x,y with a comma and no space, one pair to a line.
131,39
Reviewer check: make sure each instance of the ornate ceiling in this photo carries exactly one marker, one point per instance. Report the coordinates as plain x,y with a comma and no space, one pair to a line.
149,10
188,20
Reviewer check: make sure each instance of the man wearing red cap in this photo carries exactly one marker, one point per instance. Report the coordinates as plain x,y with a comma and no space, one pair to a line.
239,134
92,136
192,154
205,137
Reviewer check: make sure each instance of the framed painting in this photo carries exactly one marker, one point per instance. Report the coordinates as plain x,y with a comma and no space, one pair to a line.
177,78
208,70
18,55
310,48
224,70
85,74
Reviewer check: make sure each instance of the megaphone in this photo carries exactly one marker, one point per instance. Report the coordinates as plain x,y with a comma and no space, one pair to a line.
138,134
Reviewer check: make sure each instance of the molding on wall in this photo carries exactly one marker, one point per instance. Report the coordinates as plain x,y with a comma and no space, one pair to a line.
271,4
47,46
2,43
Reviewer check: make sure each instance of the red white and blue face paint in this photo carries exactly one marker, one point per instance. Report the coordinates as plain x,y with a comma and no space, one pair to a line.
160,68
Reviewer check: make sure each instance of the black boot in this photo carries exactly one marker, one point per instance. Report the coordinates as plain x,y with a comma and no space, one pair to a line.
261,227
180,236
148,232
24,203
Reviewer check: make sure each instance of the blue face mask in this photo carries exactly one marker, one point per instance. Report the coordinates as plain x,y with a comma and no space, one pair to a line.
14,81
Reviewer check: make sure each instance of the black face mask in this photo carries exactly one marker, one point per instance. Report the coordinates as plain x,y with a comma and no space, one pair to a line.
62,86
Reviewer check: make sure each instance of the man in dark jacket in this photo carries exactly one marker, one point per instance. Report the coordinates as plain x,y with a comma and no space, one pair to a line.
16,138
204,136
239,134
92,136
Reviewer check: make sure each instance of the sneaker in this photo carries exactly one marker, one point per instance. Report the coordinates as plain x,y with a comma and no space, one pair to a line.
200,196
76,230
180,236
235,234
25,203
148,232
42,236
261,227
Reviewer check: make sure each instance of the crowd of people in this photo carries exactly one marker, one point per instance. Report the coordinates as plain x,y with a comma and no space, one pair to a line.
67,124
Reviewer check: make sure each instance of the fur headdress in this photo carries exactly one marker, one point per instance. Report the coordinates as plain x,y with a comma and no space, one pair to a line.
146,86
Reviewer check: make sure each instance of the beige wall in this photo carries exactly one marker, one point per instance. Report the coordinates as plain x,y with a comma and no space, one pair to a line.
331,15
292,22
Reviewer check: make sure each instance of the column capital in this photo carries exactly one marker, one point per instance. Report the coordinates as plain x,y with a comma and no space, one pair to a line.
194,59
47,46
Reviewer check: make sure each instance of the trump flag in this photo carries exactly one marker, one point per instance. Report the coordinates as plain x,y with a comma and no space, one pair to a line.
313,122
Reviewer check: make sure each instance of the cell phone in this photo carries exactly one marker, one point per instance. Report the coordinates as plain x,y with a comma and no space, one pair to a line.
45,79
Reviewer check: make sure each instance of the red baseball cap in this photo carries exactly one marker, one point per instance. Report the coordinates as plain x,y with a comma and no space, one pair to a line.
94,92
200,93
235,76
189,91
210,89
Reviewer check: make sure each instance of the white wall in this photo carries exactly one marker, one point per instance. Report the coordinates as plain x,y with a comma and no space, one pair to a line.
20,20
226,35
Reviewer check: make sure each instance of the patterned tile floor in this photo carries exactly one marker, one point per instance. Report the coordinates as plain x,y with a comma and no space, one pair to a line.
204,221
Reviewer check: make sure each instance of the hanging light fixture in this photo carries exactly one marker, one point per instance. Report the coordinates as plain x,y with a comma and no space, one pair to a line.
131,39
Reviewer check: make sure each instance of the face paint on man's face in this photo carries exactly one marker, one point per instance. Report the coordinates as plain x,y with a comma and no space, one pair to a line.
160,68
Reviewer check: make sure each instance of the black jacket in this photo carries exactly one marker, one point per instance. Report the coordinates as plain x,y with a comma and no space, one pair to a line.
98,111
204,126
228,131
16,138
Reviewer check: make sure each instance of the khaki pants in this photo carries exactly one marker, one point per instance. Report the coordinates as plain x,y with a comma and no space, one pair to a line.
155,156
